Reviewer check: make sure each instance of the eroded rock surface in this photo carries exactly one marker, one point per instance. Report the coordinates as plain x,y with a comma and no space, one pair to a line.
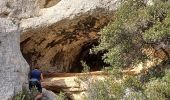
75,22
75,85
48,95
13,67
62,35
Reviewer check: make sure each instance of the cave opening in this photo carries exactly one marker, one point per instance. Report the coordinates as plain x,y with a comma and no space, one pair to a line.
64,52
93,61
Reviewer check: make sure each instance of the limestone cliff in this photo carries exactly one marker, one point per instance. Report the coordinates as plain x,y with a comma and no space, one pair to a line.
55,31
13,67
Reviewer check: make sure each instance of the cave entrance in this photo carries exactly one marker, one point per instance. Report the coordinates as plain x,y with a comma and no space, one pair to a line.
93,61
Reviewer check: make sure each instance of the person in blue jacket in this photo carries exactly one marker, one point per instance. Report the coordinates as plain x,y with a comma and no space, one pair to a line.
36,77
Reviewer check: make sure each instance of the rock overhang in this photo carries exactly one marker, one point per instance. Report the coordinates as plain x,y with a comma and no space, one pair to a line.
69,27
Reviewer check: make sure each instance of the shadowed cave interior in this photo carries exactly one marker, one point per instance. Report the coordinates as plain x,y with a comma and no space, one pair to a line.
63,52
94,61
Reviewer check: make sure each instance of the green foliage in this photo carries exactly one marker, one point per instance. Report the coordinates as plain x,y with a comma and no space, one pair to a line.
105,90
160,14
131,89
86,68
133,83
61,96
159,88
25,95
134,26
115,73
20,96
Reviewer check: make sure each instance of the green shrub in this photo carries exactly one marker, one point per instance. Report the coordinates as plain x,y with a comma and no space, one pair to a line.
26,94
61,96
131,89
105,90
135,26
159,88
86,68
133,83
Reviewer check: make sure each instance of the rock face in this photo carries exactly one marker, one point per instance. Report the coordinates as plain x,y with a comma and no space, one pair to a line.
63,34
48,95
76,25
74,85
13,67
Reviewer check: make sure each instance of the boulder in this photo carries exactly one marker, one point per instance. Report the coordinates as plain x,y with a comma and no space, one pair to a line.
74,85
48,95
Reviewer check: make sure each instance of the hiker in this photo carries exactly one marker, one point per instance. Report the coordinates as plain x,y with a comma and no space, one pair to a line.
36,77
